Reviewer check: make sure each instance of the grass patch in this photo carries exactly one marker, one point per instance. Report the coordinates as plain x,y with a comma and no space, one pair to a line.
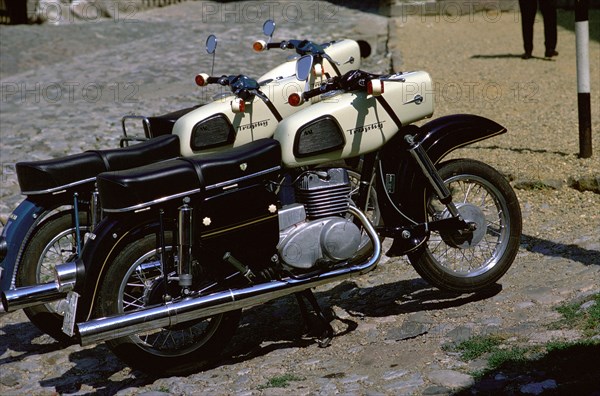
573,365
516,357
575,317
281,381
476,346
556,357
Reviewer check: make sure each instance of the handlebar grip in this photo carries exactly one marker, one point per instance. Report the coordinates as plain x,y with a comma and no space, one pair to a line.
312,93
213,80
273,45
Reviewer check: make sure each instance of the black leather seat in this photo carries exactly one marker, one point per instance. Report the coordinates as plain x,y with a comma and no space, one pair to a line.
41,177
163,124
140,187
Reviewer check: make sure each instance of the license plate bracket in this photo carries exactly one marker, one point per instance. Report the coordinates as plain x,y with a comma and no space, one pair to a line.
69,311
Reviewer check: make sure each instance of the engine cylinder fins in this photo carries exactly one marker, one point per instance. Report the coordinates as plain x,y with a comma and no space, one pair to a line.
324,193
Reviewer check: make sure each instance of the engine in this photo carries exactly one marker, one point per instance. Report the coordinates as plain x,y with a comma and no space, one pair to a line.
315,230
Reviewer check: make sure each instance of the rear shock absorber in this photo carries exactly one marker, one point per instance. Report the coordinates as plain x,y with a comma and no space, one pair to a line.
184,243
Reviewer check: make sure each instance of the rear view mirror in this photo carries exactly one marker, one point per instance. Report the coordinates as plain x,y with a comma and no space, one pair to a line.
211,44
303,67
269,28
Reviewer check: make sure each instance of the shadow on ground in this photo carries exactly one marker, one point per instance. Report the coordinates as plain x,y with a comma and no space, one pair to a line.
553,249
572,370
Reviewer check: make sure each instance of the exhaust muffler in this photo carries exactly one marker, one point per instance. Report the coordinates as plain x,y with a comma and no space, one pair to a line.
170,314
29,296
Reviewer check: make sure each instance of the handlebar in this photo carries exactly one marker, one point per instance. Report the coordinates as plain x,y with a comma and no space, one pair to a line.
354,80
241,85
302,47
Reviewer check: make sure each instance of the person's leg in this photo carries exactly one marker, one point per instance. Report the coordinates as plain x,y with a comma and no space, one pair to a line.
528,10
548,9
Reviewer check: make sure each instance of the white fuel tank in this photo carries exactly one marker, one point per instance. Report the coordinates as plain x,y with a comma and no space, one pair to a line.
345,52
351,124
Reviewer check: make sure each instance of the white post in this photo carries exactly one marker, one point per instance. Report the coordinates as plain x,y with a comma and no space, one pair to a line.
582,38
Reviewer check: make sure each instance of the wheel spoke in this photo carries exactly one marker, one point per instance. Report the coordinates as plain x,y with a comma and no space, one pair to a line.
470,259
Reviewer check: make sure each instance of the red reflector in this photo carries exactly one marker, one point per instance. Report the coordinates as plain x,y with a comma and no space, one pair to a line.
294,100
369,87
242,105
200,80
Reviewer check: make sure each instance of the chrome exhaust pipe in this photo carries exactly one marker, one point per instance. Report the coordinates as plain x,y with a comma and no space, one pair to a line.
29,296
170,314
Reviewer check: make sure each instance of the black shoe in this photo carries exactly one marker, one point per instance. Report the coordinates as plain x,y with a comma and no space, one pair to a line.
550,54
526,55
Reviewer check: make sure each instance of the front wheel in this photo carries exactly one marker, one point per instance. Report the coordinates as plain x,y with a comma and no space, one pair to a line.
134,281
475,260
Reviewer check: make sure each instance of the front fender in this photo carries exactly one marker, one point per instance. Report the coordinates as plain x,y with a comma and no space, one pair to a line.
445,134
404,203
18,228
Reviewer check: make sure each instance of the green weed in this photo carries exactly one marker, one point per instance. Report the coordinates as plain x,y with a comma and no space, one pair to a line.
281,381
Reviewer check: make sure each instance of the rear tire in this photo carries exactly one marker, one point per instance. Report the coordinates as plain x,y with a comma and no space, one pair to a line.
465,264
181,350
54,242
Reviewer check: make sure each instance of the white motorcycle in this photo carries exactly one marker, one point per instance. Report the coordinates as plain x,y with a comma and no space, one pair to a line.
186,244
61,207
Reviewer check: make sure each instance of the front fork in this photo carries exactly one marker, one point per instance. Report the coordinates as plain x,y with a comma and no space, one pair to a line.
411,235
430,172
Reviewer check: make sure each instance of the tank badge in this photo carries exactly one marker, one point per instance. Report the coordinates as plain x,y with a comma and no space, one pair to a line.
272,208
243,166
206,221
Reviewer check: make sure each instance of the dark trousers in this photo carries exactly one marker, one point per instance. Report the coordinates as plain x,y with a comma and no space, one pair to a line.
528,11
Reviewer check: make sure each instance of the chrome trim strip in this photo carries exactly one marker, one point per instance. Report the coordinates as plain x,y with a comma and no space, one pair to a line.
63,187
239,179
150,203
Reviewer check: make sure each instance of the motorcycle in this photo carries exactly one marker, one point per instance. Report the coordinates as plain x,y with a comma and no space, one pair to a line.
62,207
186,244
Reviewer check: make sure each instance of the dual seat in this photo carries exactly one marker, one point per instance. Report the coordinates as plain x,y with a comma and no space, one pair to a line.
80,170
141,187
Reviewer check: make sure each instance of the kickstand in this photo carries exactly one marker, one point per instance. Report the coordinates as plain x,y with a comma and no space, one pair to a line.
324,331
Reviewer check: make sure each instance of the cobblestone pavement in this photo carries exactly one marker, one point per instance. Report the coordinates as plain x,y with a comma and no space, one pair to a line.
64,90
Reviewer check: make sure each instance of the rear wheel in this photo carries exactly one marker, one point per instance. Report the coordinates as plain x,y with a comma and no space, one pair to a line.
475,260
54,242
135,281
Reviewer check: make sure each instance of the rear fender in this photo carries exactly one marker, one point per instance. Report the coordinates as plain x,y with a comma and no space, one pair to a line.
15,233
405,196
111,235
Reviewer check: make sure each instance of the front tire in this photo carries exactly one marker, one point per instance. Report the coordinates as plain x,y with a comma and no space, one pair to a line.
472,262
133,282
